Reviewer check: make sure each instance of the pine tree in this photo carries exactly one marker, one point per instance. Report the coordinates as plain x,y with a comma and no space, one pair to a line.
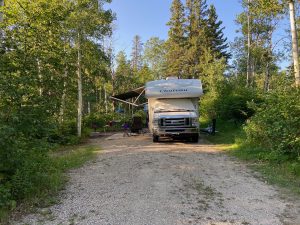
196,36
123,79
217,41
136,53
177,41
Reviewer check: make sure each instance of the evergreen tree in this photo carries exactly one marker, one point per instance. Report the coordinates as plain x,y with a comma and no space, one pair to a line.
123,78
217,41
177,41
197,40
136,53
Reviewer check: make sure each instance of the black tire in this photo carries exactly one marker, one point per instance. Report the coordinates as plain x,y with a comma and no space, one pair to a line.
195,138
155,138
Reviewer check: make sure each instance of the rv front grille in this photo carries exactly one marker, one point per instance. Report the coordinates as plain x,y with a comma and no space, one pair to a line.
175,122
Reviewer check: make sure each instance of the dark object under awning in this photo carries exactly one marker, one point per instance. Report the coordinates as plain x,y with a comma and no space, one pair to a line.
128,95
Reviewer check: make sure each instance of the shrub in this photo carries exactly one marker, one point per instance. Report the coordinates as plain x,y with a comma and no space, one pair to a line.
5,196
229,103
233,102
142,114
33,176
276,123
26,169
65,134
97,120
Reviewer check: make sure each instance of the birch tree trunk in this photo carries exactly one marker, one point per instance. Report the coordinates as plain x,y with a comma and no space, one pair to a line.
63,96
1,4
249,66
79,81
40,76
1,18
294,42
105,100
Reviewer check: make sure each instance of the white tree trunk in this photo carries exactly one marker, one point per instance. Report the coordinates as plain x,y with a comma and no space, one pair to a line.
40,76
105,100
249,65
1,19
79,80
89,108
63,97
1,4
294,42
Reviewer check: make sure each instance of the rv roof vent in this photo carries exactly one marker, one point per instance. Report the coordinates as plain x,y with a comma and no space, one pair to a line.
172,78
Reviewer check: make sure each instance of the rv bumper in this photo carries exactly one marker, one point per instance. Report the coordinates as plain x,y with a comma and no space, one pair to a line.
178,132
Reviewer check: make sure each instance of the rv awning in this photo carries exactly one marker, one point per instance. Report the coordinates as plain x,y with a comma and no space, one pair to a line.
128,95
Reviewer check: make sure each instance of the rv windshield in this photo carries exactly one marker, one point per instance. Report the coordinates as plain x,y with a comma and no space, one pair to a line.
174,110
174,105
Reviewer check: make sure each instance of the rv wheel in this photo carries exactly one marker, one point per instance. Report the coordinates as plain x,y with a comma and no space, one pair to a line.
155,138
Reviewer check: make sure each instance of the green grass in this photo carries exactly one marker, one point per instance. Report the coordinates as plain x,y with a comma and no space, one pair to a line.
74,158
63,159
275,168
227,132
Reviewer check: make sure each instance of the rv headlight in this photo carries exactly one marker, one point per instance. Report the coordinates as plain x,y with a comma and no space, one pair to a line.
195,122
155,121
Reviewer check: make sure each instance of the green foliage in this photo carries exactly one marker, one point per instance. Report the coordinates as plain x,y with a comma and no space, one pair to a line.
233,102
155,56
65,134
38,86
35,174
228,132
176,43
25,166
73,158
142,114
227,98
216,39
136,53
100,122
275,125
5,196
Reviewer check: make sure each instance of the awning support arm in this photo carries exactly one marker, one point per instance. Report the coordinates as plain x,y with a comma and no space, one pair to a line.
123,101
139,96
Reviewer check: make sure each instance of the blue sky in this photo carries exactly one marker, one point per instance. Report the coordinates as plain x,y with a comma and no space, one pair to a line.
148,18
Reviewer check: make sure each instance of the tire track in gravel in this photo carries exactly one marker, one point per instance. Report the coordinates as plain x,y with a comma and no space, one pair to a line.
136,182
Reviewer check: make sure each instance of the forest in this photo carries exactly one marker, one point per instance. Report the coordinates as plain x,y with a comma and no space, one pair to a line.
58,68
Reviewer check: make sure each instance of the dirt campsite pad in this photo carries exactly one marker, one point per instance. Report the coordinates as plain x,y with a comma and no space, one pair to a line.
136,182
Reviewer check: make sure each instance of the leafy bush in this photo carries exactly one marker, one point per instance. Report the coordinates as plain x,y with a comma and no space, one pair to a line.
5,196
65,134
25,166
276,123
142,114
230,102
233,102
98,121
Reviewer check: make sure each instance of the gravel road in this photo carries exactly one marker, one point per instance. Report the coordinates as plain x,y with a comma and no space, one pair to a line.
136,182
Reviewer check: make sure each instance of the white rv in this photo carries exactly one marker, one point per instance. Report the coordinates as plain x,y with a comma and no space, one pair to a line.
173,107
